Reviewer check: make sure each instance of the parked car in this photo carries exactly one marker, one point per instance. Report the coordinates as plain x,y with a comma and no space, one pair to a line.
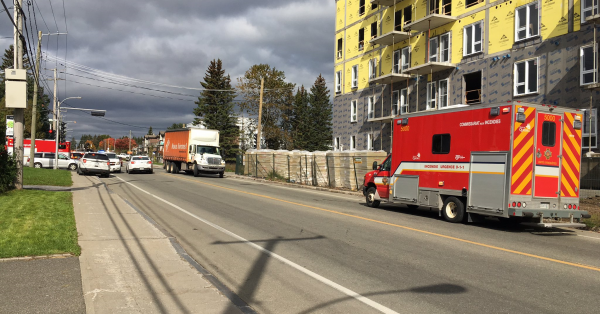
115,162
46,160
94,163
139,164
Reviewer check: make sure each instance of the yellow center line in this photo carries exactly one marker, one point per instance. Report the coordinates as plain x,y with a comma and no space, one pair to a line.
399,226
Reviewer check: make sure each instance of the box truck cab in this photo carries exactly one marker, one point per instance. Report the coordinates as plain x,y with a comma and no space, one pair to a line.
513,160
193,150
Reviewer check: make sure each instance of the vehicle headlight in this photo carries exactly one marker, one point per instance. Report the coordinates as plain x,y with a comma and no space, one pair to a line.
223,162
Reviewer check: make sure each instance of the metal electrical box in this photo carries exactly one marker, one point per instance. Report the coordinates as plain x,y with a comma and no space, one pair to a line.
16,88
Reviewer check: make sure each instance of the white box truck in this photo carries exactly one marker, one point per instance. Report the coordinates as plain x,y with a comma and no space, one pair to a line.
193,150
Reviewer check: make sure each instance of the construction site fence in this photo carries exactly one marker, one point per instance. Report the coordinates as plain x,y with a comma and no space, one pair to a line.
337,170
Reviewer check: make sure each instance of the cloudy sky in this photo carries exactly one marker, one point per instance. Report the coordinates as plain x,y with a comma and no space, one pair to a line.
171,43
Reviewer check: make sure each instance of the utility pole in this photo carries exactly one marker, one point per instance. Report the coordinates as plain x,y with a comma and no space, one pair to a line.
55,115
19,113
35,95
262,83
129,142
590,124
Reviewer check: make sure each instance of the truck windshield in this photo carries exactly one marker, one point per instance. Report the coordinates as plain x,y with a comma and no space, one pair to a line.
208,150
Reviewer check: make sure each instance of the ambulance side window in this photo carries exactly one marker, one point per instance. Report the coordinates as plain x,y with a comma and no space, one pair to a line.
386,165
440,144
549,134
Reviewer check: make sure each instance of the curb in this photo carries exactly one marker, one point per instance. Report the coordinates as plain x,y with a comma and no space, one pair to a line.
30,258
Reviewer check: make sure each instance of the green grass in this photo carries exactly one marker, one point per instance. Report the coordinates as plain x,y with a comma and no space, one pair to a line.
593,223
34,223
33,176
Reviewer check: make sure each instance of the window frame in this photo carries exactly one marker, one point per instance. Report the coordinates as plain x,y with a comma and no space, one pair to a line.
340,48
397,66
516,84
440,95
585,136
593,8
546,132
433,44
372,68
361,43
527,8
353,110
374,30
441,138
338,82
362,7
582,63
353,142
442,49
431,99
370,107
354,82
473,35
395,102
403,104
405,61
336,143
370,141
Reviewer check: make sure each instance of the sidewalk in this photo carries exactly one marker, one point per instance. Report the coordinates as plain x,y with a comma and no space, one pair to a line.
128,265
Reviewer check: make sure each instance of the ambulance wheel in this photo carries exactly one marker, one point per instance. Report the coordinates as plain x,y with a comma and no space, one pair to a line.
371,202
453,209
196,172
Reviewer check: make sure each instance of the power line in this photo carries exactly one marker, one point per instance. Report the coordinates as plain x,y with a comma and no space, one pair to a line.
66,41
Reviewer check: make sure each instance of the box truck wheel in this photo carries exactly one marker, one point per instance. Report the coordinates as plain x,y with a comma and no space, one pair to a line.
196,172
221,174
168,166
453,209
371,202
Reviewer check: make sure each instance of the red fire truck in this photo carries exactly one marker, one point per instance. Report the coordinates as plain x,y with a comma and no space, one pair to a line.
508,160
41,146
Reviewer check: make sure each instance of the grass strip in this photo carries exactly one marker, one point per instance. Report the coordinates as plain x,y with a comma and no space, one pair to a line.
37,176
34,223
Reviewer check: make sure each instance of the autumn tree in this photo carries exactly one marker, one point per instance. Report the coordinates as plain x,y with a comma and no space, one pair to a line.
275,99
215,108
122,144
106,143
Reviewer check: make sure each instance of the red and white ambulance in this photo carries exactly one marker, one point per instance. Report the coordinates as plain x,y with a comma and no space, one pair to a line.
41,146
505,160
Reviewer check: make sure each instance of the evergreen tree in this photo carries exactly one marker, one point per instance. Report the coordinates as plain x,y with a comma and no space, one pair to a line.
8,165
302,123
215,109
321,116
150,131
275,98
42,125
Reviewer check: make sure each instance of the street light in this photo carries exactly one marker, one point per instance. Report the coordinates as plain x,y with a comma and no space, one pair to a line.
57,135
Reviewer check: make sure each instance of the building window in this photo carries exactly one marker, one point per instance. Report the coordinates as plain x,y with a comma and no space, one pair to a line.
405,58
336,143
370,107
353,111
433,49
373,30
395,103
588,8
373,6
404,101
587,67
445,47
355,76
370,141
431,95
526,77
589,135
472,39
407,14
443,93
338,81
472,83
361,7
372,68
527,21
353,142
398,20
396,66
340,48
470,3
361,39
440,144
549,133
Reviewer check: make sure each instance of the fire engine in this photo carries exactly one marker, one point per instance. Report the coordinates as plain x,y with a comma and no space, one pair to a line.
41,146
503,160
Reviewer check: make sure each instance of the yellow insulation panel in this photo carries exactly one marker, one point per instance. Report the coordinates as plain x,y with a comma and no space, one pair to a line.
555,18
576,15
340,14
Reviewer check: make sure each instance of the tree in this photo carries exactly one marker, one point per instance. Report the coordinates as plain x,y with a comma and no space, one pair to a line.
8,165
107,143
175,126
321,116
275,99
150,131
122,144
42,124
215,109
73,143
301,121
89,145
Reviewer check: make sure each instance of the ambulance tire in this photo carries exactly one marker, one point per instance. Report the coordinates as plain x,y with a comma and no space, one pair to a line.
371,202
453,209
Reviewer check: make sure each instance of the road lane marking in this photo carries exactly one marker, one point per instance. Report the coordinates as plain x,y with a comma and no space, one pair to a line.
282,259
404,227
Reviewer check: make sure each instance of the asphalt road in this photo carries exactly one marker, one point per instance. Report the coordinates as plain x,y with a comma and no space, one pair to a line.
292,250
